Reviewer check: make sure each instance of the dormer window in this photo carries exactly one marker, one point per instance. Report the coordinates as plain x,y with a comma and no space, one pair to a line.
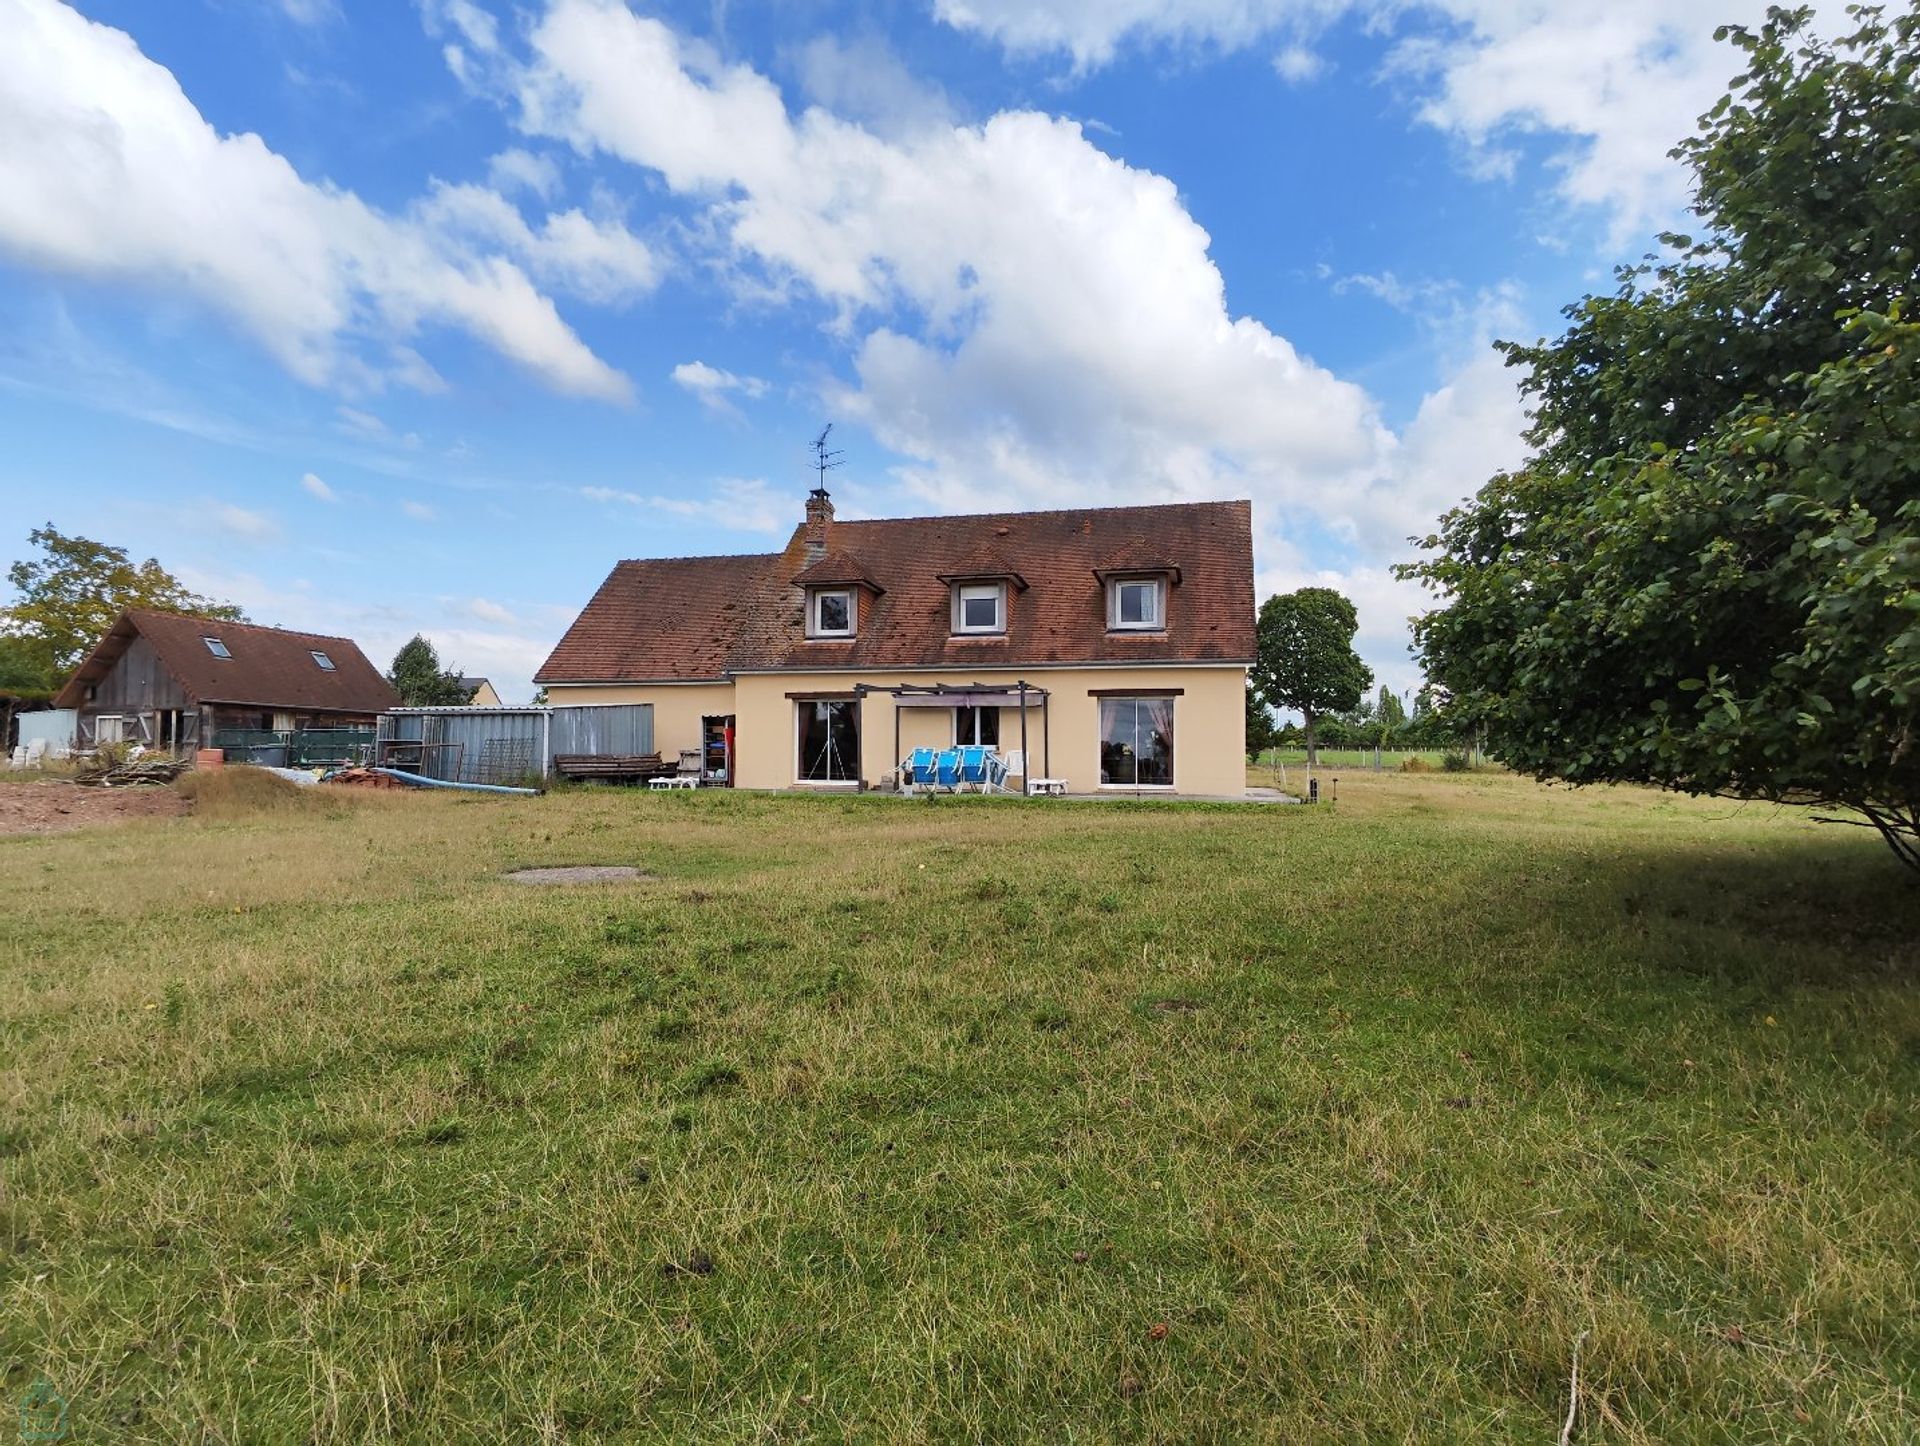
216,647
322,659
980,607
830,613
1135,604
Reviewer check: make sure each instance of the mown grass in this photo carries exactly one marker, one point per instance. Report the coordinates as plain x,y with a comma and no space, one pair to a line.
948,1120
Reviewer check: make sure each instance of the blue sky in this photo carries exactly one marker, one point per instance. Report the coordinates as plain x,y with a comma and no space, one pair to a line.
378,317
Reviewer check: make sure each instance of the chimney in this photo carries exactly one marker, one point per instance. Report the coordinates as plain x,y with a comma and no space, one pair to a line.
819,523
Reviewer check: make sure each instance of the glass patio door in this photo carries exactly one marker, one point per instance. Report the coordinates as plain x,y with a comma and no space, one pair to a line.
829,741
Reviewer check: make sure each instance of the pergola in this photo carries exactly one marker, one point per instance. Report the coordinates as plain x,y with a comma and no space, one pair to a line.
973,695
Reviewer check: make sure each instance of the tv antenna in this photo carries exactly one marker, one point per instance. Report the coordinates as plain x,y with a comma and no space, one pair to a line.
825,459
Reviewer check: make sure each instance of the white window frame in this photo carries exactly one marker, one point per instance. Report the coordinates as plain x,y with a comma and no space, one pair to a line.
968,591
322,661
814,599
1157,590
978,709
219,649
119,722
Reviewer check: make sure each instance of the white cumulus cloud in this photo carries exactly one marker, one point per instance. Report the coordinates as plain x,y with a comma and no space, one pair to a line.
1615,85
712,385
1070,341
108,171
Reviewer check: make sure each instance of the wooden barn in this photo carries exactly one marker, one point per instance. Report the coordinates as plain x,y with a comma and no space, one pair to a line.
177,682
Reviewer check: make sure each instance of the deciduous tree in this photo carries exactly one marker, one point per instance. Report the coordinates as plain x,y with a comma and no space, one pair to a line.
1306,658
1707,575
1262,732
421,682
66,599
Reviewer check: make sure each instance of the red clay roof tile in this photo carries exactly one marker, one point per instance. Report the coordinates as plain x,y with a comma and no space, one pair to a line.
708,617
269,667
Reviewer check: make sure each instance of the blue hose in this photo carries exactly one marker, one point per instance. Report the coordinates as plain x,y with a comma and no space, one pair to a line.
420,781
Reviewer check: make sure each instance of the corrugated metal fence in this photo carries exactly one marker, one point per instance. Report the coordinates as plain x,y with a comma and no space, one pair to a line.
503,745
623,729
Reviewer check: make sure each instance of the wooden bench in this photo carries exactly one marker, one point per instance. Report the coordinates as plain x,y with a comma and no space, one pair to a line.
637,766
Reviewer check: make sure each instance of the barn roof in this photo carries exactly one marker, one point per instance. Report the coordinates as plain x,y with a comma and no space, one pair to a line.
264,667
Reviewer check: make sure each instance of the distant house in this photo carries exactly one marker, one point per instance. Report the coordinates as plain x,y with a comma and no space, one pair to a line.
169,680
1131,629
480,693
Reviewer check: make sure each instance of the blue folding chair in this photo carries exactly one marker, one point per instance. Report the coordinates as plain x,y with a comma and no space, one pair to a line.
996,772
947,769
973,765
919,767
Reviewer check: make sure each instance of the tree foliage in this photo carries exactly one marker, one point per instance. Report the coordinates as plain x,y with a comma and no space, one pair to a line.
421,682
1707,575
67,598
1262,732
1306,659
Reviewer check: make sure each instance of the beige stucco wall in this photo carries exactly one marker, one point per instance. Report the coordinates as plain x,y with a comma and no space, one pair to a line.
1209,723
677,707
1209,720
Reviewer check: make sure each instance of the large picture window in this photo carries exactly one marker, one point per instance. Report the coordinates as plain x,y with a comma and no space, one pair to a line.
1136,742
976,725
829,741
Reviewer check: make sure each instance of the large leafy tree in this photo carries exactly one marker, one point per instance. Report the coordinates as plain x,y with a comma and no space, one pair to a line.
421,682
68,596
1306,659
1707,576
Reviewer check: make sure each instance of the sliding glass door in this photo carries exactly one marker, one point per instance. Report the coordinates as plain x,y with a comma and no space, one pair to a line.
829,741
1136,742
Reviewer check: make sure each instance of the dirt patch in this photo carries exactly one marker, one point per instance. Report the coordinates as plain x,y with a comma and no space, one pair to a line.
580,874
52,806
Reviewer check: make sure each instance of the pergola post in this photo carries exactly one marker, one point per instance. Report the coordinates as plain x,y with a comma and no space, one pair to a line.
1026,764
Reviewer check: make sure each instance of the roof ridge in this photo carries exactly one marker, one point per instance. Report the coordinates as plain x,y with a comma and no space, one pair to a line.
239,623
840,522
704,557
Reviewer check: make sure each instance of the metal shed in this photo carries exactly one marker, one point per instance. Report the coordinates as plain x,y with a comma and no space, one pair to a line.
504,745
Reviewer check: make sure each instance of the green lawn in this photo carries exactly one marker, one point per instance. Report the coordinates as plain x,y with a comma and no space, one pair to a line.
895,1121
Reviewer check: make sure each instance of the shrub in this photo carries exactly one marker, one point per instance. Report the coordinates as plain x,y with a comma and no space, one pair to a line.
1457,763
244,792
1414,763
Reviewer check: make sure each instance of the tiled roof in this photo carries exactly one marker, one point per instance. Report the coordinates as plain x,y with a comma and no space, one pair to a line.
706,617
836,567
269,667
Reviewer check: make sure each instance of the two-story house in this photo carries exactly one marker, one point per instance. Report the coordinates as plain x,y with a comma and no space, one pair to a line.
1114,641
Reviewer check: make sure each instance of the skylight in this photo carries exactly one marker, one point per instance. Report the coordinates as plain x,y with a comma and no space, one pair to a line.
323,660
216,647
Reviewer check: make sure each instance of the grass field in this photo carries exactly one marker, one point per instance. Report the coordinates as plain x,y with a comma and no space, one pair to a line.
892,1121
1337,759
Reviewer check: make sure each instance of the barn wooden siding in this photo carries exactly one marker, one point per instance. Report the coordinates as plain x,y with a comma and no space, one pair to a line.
138,689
